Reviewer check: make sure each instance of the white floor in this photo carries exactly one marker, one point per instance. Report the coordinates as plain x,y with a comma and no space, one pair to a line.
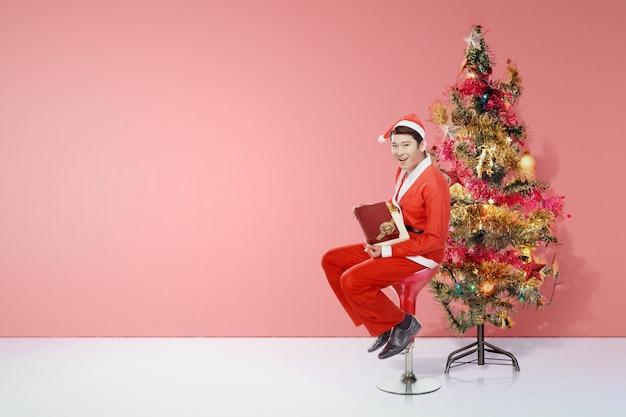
302,377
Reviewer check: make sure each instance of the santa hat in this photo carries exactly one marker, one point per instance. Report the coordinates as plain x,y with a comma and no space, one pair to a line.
411,121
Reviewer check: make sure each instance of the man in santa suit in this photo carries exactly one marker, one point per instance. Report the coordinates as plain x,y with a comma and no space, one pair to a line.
358,273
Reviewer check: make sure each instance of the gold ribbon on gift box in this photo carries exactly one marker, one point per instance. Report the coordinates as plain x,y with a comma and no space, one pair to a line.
386,228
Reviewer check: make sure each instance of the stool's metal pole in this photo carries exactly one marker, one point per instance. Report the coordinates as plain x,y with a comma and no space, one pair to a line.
408,383
408,375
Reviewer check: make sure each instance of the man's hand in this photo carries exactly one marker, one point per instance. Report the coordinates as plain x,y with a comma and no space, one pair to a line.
359,205
374,251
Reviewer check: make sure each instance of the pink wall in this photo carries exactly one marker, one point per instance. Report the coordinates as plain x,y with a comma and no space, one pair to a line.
178,169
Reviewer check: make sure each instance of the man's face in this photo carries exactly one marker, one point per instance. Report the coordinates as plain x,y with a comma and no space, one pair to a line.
406,151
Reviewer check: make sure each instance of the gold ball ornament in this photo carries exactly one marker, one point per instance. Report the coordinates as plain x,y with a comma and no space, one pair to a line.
527,162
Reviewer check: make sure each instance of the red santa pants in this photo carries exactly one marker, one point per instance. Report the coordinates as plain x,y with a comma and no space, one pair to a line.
358,280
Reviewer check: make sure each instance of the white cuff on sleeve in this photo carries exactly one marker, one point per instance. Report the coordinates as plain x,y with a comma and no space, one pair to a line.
385,252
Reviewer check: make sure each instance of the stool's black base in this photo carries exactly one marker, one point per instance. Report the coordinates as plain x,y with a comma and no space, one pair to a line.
480,346
408,383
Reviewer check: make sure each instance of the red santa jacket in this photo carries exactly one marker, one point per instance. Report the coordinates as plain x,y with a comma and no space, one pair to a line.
424,200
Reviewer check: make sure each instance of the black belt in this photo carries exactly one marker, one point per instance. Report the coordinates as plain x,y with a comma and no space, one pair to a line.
412,229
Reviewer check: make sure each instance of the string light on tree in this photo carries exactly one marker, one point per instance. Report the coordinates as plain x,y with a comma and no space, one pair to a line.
487,288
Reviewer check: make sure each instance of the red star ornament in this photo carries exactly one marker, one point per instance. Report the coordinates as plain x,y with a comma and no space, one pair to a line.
533,269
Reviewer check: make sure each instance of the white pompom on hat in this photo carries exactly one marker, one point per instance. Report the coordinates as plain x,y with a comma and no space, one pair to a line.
410,121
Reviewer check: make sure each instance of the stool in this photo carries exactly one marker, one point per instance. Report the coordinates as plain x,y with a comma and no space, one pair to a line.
408,383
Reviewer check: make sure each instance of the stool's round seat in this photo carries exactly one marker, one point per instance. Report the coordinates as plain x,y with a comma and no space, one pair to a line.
409,288
408,384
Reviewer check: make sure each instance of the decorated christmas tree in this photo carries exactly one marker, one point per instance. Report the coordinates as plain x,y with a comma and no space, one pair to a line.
500,250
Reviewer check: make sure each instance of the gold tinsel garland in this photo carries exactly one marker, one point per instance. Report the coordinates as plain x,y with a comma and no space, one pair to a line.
498,225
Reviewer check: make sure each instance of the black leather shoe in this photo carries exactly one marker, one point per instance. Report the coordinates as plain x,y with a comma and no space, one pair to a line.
380,341
399,339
